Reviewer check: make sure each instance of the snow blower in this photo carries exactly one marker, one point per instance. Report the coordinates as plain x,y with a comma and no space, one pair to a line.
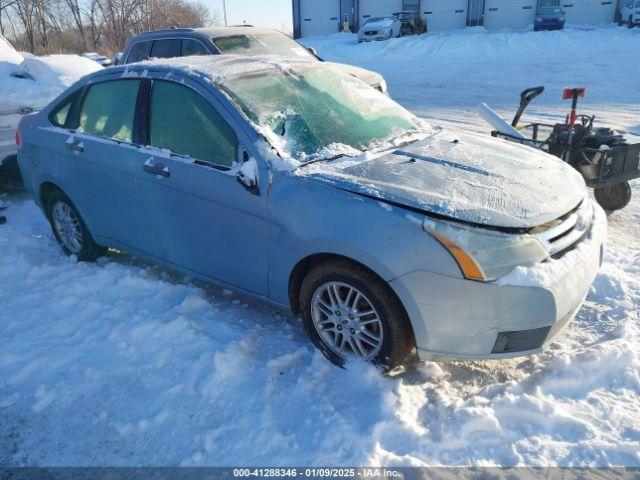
602,155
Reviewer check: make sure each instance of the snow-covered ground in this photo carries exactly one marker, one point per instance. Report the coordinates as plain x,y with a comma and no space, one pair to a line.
124,363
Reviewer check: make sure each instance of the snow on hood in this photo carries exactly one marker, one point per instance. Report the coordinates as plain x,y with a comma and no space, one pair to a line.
367,76
464,176
49,76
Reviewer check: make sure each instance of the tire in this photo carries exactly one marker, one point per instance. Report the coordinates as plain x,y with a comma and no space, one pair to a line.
614,197
86,249
630,22
389,321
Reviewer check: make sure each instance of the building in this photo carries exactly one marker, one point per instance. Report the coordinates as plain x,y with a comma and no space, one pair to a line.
322,17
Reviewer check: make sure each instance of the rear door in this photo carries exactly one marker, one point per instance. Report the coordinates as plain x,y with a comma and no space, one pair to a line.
165,48
195,213
95,149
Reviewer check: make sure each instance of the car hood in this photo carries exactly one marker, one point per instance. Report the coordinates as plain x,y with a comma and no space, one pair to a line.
467,177
371,78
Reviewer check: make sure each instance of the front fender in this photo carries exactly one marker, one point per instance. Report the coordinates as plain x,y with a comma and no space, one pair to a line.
309,218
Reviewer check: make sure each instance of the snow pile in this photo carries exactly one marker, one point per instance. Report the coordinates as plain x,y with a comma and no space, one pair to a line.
30,81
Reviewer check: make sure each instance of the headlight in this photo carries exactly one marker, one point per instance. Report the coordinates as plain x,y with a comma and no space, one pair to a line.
561,19
540,19
486,254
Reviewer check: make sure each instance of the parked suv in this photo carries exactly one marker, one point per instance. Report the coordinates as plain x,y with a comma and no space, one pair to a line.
245,40
630,13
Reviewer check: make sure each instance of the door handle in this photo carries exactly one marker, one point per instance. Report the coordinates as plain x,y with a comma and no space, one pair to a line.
156,168
75,146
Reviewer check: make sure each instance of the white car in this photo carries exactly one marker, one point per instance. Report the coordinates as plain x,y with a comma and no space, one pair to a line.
27,84
630,13
379,28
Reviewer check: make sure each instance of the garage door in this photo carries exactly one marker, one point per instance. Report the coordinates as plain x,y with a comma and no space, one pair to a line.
378,8
444,14
319,17
589,12
509,13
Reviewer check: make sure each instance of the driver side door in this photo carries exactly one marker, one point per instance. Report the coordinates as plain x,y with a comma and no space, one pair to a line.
195,213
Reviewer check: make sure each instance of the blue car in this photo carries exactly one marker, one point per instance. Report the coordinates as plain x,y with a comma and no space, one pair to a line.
296,183
549,18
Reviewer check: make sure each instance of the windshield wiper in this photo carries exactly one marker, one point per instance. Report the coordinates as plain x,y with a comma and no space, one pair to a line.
323,159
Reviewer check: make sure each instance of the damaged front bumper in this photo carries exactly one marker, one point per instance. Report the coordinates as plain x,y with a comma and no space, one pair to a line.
516,315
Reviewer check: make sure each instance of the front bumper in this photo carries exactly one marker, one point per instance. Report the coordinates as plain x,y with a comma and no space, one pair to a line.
374,38
549,25
455,318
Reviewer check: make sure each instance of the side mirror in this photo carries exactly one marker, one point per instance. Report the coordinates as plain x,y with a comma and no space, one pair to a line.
314,52
247,175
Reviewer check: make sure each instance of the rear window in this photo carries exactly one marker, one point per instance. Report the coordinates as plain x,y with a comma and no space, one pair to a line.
60,114
140,51
108,109
164,48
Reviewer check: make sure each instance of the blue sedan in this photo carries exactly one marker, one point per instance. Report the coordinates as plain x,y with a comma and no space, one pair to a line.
301,185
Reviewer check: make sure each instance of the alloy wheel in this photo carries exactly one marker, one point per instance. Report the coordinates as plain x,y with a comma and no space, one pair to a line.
346,321
67,226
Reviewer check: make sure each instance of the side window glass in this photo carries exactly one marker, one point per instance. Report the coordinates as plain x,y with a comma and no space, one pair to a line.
108,109
193,47
184,122
58,116
140,51
164,48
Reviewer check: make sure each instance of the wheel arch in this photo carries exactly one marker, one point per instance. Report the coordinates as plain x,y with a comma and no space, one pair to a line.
304,266
44,192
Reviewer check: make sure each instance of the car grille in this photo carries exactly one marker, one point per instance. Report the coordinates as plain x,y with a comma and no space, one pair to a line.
371,32
563,234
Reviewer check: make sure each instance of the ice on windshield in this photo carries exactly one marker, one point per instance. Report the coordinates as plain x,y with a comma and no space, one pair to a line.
265,44
314,110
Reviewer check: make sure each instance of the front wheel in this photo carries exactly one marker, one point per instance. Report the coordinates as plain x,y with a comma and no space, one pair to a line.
69,228
614,197
350,313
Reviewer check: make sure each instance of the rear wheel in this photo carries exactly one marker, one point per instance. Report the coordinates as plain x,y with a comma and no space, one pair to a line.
614,197
349,313
69,228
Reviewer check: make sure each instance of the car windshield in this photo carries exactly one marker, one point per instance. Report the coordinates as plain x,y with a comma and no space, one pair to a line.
317,111
263,44
551,11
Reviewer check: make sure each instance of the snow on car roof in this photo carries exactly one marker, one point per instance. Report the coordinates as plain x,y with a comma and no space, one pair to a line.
217,68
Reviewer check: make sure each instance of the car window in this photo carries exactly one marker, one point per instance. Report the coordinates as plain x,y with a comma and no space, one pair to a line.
193,47
140,51
108,109
638,4
59,116
164,48
184,122
260,44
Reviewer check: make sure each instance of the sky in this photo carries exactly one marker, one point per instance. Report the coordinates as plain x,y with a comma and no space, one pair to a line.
261,13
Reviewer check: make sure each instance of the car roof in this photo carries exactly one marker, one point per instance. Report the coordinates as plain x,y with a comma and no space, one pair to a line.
213,67
211,32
